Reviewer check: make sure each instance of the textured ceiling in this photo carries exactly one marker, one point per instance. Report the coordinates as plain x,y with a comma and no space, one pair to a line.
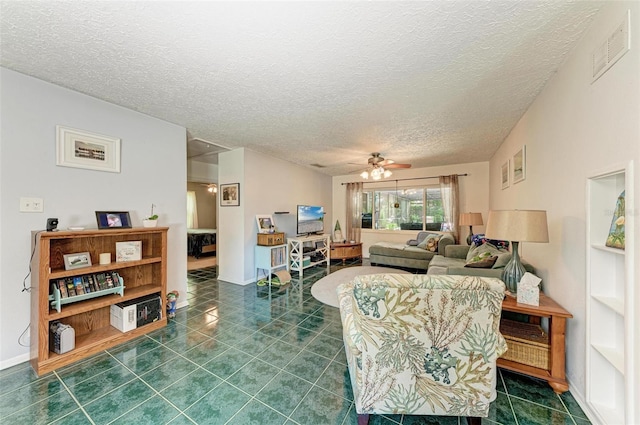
429,83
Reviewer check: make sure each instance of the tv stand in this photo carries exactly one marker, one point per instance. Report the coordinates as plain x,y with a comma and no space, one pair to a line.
297,252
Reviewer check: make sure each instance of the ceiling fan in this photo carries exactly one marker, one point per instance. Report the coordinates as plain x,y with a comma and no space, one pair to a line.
380,167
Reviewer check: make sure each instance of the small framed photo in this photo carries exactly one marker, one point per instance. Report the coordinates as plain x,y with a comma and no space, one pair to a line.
230,195
504,175
77,261
265,223
81,149
128,251
519,166
113,219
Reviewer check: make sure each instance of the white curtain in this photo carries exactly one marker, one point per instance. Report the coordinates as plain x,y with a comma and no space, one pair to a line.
354,211
192,210
450,204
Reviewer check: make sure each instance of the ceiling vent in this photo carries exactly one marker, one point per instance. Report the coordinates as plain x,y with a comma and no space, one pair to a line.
612,49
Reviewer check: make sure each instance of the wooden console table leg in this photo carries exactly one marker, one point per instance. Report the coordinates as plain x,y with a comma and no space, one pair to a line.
557,327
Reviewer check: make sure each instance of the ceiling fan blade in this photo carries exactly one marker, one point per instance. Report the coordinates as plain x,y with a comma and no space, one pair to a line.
386,162
398,166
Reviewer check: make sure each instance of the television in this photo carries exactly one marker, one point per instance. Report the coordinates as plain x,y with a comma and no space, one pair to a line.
310,219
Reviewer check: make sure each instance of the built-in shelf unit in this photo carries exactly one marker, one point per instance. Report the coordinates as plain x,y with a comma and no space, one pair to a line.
610,359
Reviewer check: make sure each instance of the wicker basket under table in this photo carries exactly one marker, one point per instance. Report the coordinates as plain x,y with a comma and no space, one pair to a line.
528,343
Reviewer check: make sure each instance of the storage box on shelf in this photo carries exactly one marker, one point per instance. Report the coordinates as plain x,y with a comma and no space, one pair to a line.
89,314
270,239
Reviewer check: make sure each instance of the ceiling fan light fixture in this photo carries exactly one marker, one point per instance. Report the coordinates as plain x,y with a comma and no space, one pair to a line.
387,174
364,175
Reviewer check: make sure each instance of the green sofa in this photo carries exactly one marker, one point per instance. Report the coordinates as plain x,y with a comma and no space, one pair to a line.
411,254
455,257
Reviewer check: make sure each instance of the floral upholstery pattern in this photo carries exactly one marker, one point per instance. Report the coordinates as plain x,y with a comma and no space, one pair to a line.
421,344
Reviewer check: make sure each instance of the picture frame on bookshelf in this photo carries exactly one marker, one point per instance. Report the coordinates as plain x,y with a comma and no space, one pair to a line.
82,149
230,195
265,223
519,165
77,261
128,251
113,219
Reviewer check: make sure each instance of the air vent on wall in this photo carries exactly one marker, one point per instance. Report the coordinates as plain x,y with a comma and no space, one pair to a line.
612,49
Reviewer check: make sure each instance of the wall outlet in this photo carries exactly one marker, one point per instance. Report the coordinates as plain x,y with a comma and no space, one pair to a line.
31,205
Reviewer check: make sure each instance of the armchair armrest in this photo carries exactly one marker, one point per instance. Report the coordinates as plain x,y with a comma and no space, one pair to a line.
456,251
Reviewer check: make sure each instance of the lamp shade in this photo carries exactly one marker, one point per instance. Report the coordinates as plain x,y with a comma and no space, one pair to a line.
517,225
470,219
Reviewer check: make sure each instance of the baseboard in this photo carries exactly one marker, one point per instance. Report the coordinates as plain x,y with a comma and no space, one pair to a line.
5,364
581,400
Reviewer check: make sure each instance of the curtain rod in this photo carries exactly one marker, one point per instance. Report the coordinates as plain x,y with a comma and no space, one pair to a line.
413,178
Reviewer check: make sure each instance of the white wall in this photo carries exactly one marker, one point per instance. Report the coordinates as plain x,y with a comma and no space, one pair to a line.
267,185
153,171
571,130
202,172
473,193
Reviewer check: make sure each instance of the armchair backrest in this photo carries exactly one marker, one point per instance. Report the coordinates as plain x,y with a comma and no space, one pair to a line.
421,344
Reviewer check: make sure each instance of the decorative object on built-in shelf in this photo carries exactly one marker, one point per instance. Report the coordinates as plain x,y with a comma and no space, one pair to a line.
128,251
172,300
152,220
337,232
77,261
616,231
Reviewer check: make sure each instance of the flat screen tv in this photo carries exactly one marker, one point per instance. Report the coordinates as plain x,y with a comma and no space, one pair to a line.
310,219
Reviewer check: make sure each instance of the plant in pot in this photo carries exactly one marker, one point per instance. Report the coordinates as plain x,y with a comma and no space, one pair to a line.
152,220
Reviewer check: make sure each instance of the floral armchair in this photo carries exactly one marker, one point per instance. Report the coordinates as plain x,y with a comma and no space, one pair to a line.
422,345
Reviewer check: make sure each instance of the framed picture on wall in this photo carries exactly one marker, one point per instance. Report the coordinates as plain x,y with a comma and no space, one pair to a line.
230,195
81,149
519,166
504,175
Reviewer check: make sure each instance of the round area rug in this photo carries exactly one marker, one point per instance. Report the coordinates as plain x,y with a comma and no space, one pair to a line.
324,290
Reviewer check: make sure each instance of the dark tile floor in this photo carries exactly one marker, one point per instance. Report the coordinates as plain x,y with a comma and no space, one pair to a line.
238,355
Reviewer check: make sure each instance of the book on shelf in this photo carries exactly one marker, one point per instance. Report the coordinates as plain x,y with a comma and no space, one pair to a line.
62,287
79,285
71,289
85,283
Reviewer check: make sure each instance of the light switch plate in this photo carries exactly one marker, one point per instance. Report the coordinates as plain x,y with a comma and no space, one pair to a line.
31,205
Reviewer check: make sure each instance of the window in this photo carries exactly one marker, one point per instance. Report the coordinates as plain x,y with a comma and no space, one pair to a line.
413,208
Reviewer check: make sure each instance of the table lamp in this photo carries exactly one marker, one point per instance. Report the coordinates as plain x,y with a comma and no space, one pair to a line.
516,226
470,219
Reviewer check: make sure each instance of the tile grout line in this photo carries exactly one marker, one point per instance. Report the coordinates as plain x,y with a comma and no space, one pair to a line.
74,399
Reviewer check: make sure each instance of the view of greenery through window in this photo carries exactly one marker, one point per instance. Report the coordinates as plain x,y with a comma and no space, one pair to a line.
416,208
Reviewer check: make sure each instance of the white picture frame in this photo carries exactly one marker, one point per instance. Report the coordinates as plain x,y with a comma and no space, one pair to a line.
265,223
504,174
128,251
77,261
82,149
519,166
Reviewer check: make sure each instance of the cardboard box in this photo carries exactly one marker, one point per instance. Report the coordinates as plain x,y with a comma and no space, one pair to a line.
132,314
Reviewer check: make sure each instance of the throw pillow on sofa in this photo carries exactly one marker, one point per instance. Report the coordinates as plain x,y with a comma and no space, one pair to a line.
479,239
503,259
475,251
430,243
482,261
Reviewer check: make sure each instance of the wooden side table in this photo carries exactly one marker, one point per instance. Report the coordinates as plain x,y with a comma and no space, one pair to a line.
557,316
344,251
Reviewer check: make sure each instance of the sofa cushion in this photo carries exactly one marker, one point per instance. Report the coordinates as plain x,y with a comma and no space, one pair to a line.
503,259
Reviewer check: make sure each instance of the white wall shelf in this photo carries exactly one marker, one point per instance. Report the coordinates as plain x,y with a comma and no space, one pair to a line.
611,391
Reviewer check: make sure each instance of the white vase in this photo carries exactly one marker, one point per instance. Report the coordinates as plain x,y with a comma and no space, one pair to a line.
149,223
